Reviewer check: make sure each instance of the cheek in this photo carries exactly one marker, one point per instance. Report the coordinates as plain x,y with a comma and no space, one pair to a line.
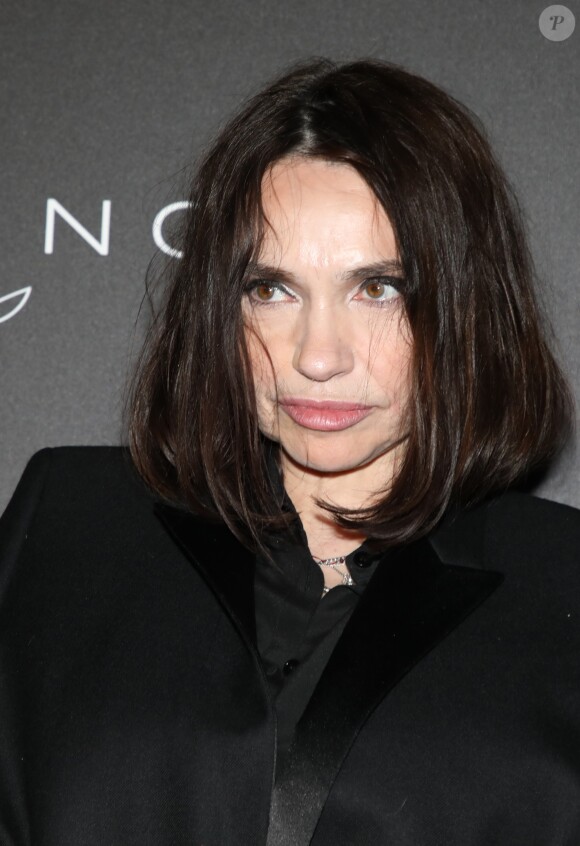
269,350
390,360
265,387
263,368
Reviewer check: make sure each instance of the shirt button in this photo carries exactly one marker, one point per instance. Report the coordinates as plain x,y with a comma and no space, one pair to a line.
363,559
289,666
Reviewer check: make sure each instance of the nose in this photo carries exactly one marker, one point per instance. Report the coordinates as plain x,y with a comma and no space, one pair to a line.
322,345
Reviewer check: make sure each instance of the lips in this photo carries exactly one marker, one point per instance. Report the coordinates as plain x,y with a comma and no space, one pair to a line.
324,416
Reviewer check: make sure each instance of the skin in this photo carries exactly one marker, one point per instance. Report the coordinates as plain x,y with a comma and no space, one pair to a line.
315,335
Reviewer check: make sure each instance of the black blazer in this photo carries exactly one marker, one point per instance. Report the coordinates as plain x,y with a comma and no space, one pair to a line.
134,710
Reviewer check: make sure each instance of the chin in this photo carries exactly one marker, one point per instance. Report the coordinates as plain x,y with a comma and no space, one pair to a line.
329,458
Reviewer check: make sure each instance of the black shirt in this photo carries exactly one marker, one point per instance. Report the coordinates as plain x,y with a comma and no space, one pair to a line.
297,628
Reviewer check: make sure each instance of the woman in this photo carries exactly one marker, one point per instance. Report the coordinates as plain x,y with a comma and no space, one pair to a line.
328,618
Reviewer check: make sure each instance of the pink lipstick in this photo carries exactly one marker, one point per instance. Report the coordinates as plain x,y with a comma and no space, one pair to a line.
326,415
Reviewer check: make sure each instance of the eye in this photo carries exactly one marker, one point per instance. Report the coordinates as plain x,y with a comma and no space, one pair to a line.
380,290
263,292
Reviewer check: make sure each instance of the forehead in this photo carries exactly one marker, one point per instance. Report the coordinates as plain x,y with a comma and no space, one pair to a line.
322,212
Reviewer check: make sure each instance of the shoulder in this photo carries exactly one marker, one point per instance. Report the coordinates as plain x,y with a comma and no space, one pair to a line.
518,503
536,544
84,514
79,472
512,531
70,461
91,488
535,524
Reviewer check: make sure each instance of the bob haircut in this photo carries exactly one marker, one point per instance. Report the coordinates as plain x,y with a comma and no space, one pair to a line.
488,403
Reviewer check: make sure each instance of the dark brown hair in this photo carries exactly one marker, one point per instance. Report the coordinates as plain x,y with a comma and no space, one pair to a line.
488,402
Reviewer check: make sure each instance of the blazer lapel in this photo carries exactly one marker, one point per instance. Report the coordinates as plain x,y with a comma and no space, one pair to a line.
226,565
412,601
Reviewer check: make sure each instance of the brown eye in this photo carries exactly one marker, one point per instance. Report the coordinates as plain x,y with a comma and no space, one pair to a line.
264,292
379,290
375,289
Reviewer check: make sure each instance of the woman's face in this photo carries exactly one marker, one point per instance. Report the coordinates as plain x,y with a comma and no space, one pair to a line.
326,328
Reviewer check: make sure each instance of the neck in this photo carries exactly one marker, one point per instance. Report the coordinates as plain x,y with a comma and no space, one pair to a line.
349,489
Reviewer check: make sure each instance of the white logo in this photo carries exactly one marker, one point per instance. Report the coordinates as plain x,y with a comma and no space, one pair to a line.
23,294
101,245
16,300
158,226
53,207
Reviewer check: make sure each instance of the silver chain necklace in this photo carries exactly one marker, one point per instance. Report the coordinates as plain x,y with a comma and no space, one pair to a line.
335,563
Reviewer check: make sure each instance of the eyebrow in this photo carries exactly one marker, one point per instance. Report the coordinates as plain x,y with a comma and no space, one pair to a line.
384,267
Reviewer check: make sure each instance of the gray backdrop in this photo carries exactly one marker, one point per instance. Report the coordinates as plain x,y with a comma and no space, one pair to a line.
108,101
